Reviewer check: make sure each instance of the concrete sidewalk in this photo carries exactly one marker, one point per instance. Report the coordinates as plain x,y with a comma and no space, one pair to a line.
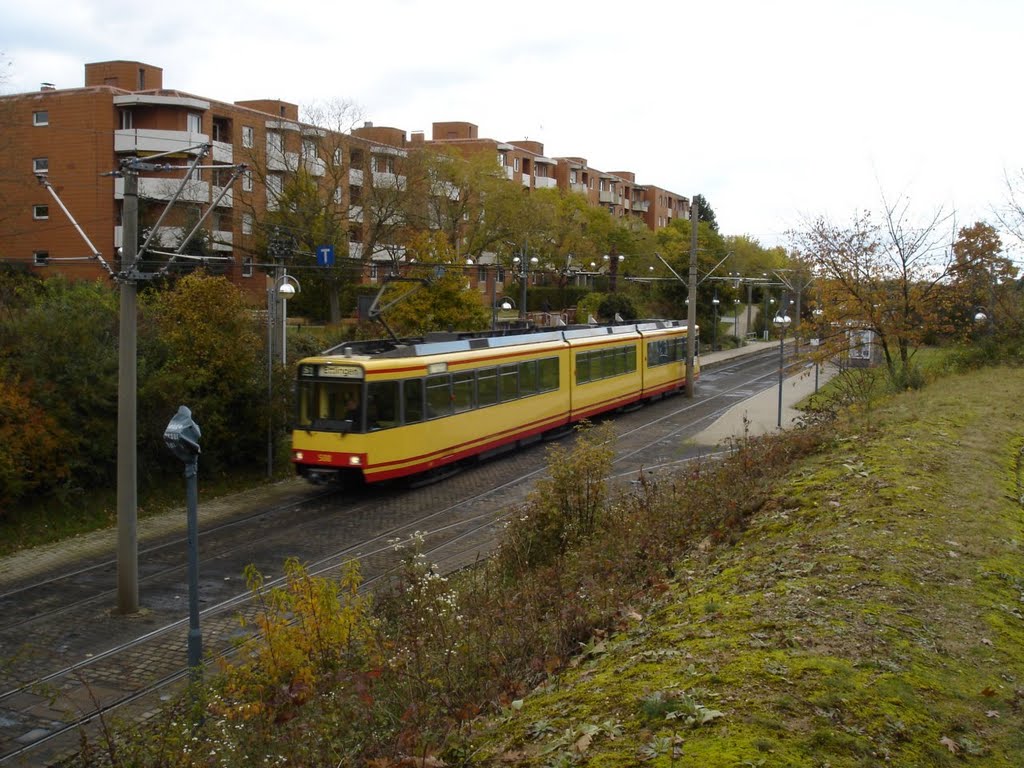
759,414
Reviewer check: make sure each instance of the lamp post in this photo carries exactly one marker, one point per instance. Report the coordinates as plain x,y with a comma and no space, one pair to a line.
736,320
781,322
613,259
505,305
714,326
182,438
285,287
523,265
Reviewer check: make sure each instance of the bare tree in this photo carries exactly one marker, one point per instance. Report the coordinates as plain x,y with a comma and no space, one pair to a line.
888,278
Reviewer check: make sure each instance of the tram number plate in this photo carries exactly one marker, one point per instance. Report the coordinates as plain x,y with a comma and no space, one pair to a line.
323,458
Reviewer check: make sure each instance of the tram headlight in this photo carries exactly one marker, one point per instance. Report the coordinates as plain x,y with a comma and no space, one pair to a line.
355,461
297,455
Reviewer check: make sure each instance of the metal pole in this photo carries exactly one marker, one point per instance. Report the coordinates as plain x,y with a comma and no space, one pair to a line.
750,304
714,329
127,478
195,636
766,313
284,322
691,311
524,273
782,351
270,383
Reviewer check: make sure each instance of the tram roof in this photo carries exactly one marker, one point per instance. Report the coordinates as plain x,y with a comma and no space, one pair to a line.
444,343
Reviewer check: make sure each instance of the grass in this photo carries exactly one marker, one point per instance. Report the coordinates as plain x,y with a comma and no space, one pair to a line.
871,613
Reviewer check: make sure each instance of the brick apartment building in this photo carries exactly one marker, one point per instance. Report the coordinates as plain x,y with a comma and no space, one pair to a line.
76,138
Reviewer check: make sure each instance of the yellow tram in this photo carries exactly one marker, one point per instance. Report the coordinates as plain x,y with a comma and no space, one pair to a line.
379,410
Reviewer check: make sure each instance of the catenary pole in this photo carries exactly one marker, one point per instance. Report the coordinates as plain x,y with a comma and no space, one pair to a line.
691,310
127,487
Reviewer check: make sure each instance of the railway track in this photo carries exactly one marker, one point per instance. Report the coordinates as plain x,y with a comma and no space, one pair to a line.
82,663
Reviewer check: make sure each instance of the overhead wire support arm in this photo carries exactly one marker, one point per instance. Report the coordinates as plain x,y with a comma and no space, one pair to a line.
45,182
238,171
134,165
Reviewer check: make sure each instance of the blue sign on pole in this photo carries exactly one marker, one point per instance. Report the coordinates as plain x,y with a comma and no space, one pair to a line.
325,256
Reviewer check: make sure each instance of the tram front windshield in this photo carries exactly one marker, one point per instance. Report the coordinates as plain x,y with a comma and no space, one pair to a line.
330,406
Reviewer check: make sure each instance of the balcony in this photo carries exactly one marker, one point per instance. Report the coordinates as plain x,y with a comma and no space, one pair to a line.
164,189
223,152
222,240
281,161
228,200
355,213
545,182
388,180
527,180
641,205
580,189
147,141
355,177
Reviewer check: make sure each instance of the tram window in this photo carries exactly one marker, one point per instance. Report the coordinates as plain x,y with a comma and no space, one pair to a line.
487,386
462,390
582,368
630,359
548,373
528,378
330,406
509,382
412,397
382,405
439,396
597,368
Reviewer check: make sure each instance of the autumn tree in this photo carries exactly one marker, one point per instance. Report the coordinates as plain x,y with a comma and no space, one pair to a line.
442,301
202,348
983,282
887,277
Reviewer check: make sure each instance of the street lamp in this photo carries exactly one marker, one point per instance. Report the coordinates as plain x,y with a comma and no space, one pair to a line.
524,264
736,320
781,322
714,327
182,439
505,305
613,260
285,287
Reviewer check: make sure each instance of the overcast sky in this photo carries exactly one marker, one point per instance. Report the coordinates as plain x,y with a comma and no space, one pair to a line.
774,111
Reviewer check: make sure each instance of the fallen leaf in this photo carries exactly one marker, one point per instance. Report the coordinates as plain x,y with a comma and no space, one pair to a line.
986,641
992,713
583,743
949,744
988,692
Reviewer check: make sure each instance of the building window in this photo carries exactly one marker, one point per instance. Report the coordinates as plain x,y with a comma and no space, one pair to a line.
248,136
246,223
337,156
337,195
195,122
41,118
502,159
275,142
247,266
142,79
275,185
247,181
40,258
127,121
40,212
40,165
309,149
515,164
